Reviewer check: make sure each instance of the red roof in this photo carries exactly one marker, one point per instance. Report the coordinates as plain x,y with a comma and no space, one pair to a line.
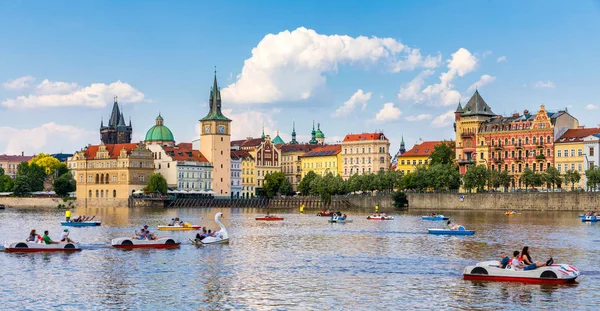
240,154
113,150
423,149
577,135
326,150
364,136
298,147
182,153
249,142
15,158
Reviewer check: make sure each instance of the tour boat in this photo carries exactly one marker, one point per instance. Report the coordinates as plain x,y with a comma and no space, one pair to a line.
325,213
436,217
30,247
128,243
221,236
178,228
269,218
490,271
81,223
590,218
340,221
461,231
375,217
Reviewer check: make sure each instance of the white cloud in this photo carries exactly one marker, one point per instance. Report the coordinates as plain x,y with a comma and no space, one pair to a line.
541,84
443,119
249,123
290,65
65,94
358,99
483,80
19,83
415,60
420,117
48,87
591,107
412,89
486,54
49,138
388,113
501,59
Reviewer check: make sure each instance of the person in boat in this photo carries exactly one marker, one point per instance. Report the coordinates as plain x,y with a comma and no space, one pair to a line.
149,235
68,215
268,215
433,214
452,226
140,235
47,238
344,217
33,237
201,236
504,260
64,237
525,258
172,223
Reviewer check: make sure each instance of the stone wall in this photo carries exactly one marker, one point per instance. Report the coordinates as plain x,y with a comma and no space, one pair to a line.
11,202
557,201
101,202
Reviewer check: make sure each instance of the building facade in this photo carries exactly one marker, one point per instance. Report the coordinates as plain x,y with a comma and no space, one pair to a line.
291,162
408,161
182,167
248,179
116,131
267,161
112,171
10,163
365,153
236,174
323,160
215,142
576,150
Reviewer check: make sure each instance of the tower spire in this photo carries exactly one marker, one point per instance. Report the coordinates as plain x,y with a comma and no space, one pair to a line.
263,131
293,133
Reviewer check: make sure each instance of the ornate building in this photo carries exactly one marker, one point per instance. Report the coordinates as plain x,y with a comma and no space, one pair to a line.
291,161
215,142
159,134
511,143
111,172
365,153
116,132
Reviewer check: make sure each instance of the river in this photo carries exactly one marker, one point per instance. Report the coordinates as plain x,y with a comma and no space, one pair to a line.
301,263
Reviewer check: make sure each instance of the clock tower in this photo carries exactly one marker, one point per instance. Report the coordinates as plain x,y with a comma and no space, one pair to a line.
215,137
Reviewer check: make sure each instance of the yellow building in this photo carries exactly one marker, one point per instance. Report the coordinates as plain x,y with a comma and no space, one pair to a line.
10,163
248,186
323,160
291,161
111,173
418,155
572,151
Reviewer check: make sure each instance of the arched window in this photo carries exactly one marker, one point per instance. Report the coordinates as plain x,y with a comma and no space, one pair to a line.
97,179
526,140
101,193
97,193
114,193
90,194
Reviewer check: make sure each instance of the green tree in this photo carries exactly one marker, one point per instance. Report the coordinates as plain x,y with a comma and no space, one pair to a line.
593,177
504,180
6,183
1,171
157,184
33,174
304,185
21,186
475,177
443,153
272,183
527,178
552,177
64,184
286,188
399,198
572,177
61,169
408,181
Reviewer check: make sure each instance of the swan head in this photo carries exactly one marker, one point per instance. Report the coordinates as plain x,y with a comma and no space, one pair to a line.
219,215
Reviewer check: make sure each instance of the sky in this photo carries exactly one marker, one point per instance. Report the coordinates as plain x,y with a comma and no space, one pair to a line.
400,67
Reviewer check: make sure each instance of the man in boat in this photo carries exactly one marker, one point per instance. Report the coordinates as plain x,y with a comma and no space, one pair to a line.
200,237
64,237
149,234
140,235
172,222
47,238
503,260
68,215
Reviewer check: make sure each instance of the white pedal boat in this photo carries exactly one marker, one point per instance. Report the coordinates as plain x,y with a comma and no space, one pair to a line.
340,221
489,271
375,217
30,247
164,242
221,236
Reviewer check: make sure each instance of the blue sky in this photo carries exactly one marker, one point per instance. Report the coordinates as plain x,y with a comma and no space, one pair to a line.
396,66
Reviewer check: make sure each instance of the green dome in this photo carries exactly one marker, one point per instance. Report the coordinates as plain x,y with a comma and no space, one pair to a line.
159,133
278,141
319,134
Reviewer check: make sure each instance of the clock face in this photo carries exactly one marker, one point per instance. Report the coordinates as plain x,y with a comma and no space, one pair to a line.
221,129
207,129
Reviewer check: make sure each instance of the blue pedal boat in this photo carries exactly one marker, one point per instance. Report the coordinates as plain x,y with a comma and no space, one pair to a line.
81,224
590,218
436,217
451,232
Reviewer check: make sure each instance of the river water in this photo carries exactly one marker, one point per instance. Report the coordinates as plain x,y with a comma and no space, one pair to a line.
301,263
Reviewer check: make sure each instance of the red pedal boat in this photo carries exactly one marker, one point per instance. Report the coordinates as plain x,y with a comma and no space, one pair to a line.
269,218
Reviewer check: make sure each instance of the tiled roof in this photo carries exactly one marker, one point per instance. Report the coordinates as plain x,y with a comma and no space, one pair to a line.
113,150
477,106
252,142
423,149
577,135
181,153
327,150
240,154
364,136
15,158
298,147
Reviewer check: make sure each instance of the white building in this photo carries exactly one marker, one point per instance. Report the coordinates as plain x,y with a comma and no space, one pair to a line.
591,154
184,168
236,174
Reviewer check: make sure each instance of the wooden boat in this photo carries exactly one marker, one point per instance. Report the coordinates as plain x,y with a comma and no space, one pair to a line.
269,218
178,228
340,221
451,232
129,243
436,217
81,223
30,247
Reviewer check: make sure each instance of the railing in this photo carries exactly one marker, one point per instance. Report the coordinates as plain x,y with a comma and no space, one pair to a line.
466,135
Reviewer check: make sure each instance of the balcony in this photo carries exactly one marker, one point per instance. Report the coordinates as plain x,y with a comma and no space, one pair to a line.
519,146
466,162
540,145
498,147
498,161
540,158
467,135
519,159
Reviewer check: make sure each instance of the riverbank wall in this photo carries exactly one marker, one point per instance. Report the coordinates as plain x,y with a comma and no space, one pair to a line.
11,202
520,201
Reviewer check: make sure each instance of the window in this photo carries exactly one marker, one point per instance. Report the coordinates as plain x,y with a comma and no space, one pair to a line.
90,194
481,155
579,152
381,160
97,193
548,139
420,161
591,151
566,153
572,152
572,166
558,153
579,167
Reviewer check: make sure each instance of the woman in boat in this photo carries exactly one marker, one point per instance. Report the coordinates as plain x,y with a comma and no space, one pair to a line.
529,264
33,237
453,226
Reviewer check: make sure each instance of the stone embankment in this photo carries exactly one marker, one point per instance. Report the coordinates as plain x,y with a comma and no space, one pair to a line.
11,202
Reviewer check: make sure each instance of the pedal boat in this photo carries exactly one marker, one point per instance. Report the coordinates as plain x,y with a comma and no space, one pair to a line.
178,228
129,243
30,247
325,213
269,218
340,221
81,223
373,217
511,214
436,217
590,218
461,231
489,271
221,236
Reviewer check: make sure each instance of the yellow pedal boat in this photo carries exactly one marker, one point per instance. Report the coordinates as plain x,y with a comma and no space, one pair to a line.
178,228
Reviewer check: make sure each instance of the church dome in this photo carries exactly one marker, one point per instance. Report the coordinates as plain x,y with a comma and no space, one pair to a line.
277,140
319,134
159,132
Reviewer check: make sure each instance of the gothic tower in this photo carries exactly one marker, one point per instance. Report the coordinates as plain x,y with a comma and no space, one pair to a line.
116,132
215,137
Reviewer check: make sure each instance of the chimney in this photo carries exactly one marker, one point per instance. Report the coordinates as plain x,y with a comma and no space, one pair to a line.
22,153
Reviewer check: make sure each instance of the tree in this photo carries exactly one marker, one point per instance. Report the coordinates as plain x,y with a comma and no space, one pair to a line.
46,162
476,177
64,184
304,185
593,177
272,183
286,188
527,178
552,177
6,183
399,199
572,177
1,171
443,153
61,170
504,180
21,186
33,174
157,184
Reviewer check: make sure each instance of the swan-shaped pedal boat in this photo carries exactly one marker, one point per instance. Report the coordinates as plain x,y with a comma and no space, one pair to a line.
220,237
436,217
460,231
179,228
490,271
128,243
30,247
375,217
81,223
